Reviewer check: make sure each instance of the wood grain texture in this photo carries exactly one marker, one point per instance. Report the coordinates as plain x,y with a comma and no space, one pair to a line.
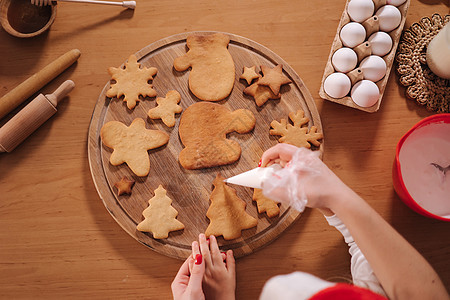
190,189
58,240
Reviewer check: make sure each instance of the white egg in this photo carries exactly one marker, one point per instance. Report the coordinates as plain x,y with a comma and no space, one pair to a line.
360,10
389,17
373,67
381,43
352,34
344,60
395,2
365,93
337,85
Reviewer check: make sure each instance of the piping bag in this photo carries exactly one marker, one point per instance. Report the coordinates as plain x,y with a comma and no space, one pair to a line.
285,185
254,178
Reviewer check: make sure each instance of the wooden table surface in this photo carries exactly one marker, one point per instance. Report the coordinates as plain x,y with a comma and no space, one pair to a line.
56,237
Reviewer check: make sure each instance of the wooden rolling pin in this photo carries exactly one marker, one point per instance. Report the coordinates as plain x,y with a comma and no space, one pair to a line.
27,120
33,84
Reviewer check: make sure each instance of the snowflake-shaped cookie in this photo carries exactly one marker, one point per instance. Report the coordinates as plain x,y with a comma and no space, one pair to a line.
131,82
296,134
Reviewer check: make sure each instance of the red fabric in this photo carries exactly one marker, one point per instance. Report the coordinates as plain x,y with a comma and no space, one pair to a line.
342,291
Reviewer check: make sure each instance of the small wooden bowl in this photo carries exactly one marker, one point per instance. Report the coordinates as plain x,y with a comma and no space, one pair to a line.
22,19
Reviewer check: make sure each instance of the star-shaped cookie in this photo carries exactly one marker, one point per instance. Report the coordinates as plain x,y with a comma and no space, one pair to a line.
273,78
167,108
124,186
131,82
131,143
261,93
249,74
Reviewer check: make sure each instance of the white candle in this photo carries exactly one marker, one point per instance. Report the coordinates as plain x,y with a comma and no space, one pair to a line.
438,53
424,158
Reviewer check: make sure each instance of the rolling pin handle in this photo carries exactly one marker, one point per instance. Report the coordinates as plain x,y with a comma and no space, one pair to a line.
60,92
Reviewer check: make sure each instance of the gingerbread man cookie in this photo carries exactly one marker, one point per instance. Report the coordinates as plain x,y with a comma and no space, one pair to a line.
167,108
131,143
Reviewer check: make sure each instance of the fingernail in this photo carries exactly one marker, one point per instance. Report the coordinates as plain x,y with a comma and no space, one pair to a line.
198,259
260,162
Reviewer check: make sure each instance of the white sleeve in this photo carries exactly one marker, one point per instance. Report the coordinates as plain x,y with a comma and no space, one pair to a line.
294,286
361,270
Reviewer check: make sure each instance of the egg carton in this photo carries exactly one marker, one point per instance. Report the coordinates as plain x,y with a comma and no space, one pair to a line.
371,25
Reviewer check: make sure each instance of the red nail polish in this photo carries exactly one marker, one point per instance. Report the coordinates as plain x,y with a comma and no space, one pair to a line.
260,162
198,259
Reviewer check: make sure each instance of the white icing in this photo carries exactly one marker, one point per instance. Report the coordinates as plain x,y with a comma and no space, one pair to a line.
426,184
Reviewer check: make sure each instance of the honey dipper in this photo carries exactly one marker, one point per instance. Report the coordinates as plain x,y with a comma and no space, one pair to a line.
26,121
127,4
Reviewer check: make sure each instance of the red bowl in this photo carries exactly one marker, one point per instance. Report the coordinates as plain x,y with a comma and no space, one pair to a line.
397,178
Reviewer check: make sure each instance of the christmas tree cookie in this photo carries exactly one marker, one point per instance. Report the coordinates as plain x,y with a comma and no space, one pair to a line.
160,216
227,212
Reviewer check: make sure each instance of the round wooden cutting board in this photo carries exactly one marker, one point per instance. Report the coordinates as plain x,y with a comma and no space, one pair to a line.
190,189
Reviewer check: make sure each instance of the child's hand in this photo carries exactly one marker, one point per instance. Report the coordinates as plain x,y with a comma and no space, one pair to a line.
219,281
187,284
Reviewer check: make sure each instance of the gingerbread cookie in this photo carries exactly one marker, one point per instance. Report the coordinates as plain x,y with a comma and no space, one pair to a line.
296,134
249,74
124,186
160,216
131,143
260,93
131,82
265,205
273,78
203,131
227,213
212,75
167,108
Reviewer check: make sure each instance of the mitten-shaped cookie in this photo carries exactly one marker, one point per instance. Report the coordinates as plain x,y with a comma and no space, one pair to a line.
203,131
212,74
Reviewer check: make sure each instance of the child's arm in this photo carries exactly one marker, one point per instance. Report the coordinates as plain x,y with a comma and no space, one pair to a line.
401,270
362,272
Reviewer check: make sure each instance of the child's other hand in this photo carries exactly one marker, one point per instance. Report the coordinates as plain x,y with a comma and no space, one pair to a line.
219,280
187,284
